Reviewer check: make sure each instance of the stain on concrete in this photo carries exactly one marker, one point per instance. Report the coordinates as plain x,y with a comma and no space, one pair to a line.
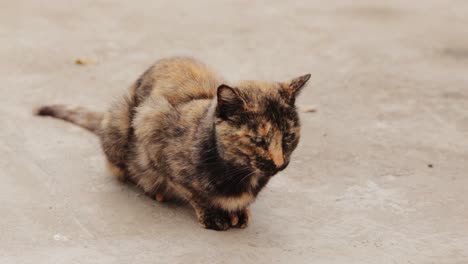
458,53
371,12
455,95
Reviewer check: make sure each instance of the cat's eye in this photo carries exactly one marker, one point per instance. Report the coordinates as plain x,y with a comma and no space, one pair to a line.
259,141
288,137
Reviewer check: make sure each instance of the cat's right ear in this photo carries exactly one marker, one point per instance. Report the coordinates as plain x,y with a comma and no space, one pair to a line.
292,88
230,101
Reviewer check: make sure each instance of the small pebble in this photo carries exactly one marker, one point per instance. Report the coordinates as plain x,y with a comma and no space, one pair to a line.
84,62
60,237
308,109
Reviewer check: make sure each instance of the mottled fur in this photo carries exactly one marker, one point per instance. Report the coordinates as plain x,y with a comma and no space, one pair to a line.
182,133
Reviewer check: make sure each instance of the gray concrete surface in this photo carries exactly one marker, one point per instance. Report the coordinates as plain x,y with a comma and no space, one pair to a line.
390,81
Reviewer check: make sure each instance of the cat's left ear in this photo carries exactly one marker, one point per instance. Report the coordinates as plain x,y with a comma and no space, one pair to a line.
292,88
230,101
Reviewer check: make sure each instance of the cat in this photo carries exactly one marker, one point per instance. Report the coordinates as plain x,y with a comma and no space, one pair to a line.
181,132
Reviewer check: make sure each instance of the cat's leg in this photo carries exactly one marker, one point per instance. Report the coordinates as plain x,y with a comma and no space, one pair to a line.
115,132
153,184
219,219
240,218
212,218
116,171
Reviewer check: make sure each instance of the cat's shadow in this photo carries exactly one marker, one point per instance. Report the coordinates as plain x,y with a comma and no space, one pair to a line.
169,209
169,212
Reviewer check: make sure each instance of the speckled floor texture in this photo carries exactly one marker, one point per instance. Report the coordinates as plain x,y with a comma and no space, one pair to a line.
381,174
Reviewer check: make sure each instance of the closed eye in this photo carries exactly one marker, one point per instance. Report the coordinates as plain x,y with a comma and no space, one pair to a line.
259,141
288,137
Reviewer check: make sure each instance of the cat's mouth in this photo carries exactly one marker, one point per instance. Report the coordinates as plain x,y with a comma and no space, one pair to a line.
271,171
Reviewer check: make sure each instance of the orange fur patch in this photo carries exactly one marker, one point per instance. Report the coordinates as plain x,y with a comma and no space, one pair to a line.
247,216
159,197
116,171
234,203
234,219
276,150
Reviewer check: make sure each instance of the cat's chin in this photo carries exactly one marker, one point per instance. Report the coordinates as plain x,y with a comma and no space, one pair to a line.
268,173
259,173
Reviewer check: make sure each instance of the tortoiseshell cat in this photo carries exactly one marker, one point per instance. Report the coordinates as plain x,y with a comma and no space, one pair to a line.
182,133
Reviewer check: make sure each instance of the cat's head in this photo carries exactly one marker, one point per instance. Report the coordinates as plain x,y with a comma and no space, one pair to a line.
257,124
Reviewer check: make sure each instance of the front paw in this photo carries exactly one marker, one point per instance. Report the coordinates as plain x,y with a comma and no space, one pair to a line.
240,219
215,219
221,220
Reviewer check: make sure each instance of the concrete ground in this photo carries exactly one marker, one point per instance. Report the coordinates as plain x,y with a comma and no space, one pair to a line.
381,174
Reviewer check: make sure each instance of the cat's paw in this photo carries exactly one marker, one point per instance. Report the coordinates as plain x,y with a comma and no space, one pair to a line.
240,219
159,197
215,219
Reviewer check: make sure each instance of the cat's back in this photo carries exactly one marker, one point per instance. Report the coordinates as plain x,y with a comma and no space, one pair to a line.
179,80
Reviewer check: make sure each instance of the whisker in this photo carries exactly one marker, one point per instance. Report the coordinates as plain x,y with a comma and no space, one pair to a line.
246,176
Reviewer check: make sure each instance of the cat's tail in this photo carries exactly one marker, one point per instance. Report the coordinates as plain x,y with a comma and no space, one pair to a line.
79,116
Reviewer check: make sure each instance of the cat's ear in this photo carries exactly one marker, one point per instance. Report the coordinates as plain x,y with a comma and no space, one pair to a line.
230,100
292,88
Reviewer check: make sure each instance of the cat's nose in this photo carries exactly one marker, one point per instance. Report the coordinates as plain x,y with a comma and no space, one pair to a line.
283,166
278,159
